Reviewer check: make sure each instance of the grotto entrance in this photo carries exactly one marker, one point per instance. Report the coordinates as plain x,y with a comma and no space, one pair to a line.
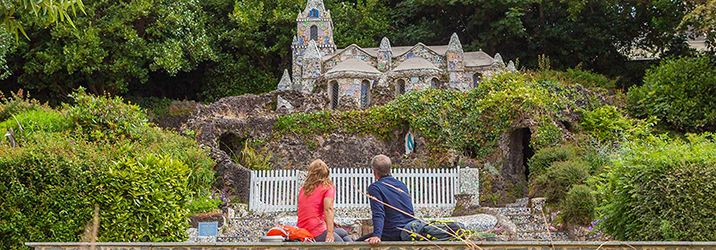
231,144
515,168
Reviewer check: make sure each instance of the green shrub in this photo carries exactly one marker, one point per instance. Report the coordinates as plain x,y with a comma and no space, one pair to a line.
142,181
574,76
170,144
143,199
45,188
252,159
16,103
203,205
680,92
598,155
578,206
559,177
37,121
606,123
661,189
156,107
543,158
105,118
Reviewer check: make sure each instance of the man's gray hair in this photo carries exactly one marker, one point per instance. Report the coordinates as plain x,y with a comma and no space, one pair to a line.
381,165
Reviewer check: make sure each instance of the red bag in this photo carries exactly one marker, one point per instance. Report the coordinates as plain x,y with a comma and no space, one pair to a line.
290,233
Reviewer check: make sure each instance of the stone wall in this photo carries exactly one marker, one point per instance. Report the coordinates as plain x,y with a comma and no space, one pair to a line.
252,117
483,245
243,117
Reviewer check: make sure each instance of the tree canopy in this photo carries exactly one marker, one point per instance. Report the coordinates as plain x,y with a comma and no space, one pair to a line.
210,49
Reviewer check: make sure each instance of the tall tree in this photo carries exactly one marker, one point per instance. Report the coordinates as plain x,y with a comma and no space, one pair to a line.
702,20
115,44
596,33
254,46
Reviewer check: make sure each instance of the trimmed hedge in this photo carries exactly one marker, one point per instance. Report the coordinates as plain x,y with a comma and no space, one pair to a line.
661,189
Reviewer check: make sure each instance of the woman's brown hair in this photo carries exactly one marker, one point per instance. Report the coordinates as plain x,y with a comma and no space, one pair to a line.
317,174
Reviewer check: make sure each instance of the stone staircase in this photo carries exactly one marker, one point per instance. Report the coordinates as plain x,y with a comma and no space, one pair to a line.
529,221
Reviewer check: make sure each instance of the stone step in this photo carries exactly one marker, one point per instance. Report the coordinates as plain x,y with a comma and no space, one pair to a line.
521,202
521,219
512,210
542,236
531,227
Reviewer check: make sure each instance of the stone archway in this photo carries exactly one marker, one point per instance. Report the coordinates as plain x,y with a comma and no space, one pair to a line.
231,144
519,151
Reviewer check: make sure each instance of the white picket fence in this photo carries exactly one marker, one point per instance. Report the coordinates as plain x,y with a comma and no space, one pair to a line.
277,190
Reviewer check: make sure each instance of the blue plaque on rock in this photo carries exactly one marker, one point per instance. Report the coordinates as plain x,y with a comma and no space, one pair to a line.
209,228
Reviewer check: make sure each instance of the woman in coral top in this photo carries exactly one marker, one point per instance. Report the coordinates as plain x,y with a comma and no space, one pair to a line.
315,205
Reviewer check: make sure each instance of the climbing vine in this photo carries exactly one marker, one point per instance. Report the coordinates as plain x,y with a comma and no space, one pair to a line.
468,122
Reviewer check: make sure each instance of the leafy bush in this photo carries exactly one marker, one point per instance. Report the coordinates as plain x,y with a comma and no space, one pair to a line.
251,159
43,187
606,123
574,76
661,189
156,107
578,205
141,180
680,92
559,177
105,117
5,45
16,103
37,121
141,199
544,158
203,205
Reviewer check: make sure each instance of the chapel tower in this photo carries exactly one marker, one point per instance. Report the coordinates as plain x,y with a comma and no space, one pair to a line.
313,23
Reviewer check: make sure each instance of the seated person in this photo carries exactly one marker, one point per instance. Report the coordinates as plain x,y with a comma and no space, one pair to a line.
315,205
391,191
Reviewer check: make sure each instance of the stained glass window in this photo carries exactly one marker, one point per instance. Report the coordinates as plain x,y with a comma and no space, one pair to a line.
334,94
314,33
476,79
364,95
401,87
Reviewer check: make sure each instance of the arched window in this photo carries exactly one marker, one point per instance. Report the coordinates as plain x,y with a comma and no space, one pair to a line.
400,89
434,83
314,33
364,94
333,85
476,80
313,13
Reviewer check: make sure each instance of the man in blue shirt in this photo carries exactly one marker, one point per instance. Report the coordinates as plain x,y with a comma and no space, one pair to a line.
391,191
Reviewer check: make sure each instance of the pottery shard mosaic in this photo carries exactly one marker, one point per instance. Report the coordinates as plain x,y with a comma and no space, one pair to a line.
317,61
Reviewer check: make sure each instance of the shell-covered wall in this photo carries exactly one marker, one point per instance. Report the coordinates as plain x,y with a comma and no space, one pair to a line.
456,69
351,87
347,53
422,51
325,32
486,72
416,83
384,60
